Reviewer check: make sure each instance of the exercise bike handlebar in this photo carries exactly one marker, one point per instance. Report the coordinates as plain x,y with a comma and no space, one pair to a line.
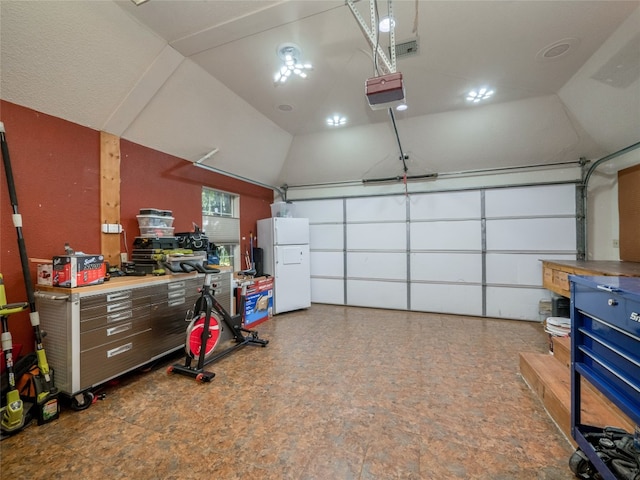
190,266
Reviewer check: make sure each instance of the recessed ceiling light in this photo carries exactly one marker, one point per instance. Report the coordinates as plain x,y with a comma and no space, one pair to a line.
476,96
402,107
336,121
386,24
557,50
285,107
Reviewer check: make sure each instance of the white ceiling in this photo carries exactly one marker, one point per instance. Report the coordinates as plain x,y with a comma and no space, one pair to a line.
462,45
188,77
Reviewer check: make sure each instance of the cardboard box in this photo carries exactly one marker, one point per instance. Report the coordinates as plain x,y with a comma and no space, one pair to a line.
259,302
45,274
78,270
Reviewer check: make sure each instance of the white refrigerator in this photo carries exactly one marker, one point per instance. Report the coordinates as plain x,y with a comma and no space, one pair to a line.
285,256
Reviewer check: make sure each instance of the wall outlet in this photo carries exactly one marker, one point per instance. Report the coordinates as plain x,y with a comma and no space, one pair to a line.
111,228
616,243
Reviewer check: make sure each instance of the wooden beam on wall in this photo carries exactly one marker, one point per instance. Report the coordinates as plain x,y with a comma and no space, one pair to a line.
110,195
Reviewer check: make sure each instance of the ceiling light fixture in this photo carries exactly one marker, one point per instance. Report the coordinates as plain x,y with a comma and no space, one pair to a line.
336,121
479,95
402,107
289,53
558,50
386,24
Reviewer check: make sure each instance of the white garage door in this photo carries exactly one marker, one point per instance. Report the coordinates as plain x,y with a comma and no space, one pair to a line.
473,252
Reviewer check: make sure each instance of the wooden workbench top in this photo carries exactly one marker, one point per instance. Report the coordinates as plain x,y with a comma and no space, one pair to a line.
117,283
555,273
600,267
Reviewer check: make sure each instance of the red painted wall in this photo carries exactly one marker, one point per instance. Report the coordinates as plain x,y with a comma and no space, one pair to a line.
56,169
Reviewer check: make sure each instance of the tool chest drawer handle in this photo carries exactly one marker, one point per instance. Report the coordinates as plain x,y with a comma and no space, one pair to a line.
118,296
177,294
116,317
114,307
52,297
118,350
609,289
118,329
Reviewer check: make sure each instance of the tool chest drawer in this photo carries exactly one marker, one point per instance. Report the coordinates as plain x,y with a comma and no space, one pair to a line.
605,349
106,309
98,336
111,359
610,303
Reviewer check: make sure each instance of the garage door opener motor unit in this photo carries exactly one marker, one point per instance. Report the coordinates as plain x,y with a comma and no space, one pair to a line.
385,91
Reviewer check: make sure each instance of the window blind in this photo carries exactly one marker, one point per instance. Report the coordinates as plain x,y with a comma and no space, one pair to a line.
221,230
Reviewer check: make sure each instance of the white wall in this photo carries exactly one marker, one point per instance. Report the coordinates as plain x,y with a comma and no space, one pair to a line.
602,207
604,95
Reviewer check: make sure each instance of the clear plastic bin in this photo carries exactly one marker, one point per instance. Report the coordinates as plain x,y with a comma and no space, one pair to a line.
154,221
282,209
156,231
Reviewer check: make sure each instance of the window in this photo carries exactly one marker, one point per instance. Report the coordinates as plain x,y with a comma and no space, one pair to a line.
221,222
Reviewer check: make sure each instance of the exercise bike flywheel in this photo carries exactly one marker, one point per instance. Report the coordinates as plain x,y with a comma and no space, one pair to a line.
194,335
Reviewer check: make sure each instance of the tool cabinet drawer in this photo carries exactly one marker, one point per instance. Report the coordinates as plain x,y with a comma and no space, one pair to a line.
99,336
109,303
102,363
609,303
611,357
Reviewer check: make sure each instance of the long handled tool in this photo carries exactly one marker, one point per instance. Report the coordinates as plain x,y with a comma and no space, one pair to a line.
13,416
33,314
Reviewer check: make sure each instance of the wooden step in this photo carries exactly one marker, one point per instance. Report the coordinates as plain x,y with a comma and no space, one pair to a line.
550,380
562,350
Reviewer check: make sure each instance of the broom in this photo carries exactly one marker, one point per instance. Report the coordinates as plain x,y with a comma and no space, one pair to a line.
33,314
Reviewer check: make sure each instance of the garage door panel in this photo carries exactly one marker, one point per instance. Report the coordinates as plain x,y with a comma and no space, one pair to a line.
320,211
446,267
443,235
515,303
445,205
532,234
364,293
328,264
327,290
517,268
376,209
442,298
371,236
382,265
539,200
326,237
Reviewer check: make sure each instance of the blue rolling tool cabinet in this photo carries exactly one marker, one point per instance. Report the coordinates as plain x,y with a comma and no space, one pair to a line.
605,350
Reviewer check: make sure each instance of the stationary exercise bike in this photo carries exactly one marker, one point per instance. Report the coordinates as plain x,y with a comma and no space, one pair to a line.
207,321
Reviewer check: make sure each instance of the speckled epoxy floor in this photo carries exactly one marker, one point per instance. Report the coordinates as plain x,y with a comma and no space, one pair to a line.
339,393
